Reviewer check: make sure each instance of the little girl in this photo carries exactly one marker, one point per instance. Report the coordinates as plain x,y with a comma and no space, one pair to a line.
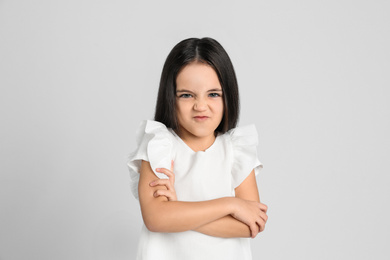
193,171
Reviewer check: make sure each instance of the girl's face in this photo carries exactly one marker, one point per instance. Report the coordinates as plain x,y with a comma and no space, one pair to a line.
199,101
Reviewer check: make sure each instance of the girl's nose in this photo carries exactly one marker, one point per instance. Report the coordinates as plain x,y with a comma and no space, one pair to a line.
200,105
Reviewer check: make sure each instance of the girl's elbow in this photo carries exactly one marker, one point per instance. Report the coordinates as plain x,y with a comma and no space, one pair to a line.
158,227
152,224
157,218
157,223
151,227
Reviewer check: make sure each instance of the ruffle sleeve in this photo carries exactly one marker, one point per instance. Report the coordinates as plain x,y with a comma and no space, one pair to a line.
244,142
154,143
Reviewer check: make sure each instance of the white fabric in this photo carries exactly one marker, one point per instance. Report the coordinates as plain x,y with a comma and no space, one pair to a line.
199,176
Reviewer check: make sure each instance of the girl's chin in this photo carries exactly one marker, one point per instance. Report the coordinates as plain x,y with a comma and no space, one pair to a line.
199,133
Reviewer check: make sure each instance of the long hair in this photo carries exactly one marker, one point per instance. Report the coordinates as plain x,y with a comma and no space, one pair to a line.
208,51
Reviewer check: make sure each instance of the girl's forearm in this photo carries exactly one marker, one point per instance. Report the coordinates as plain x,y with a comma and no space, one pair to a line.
161,215
225,227
178,216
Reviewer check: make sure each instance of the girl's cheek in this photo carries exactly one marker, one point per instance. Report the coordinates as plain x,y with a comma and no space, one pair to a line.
217,102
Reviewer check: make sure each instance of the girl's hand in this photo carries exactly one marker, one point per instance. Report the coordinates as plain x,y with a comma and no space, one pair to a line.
169,183
251,213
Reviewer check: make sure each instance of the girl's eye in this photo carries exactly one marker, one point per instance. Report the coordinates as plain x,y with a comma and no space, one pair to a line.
185,95
214,95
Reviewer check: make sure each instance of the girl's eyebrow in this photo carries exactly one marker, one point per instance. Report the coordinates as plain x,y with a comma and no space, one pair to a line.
183,90
214,89
210,90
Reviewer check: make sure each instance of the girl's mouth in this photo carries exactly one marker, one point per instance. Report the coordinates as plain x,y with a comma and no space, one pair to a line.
200,118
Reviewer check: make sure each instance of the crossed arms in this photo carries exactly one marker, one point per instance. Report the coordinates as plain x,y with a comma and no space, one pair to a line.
239,216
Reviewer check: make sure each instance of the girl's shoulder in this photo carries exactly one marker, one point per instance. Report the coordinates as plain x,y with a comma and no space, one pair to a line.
155,144
243,143
152,129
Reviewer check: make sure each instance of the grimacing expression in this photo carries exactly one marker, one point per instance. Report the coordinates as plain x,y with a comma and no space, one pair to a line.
199,100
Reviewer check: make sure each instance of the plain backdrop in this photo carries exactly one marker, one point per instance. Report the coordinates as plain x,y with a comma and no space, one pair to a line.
77,77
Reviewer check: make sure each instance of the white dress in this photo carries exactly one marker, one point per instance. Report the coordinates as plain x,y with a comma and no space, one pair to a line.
199,176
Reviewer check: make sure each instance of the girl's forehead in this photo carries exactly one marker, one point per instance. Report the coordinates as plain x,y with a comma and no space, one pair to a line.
197,76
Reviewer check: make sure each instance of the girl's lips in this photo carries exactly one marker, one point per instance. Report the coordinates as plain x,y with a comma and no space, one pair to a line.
200,118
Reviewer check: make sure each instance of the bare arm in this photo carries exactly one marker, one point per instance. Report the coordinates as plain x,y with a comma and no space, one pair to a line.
229,226
226,227
161,215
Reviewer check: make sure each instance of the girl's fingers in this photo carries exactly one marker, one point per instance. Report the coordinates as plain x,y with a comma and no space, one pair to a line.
162,182
254,230
167,172
172,164
169,183
260,226
261,221
171,196
263,207
263,216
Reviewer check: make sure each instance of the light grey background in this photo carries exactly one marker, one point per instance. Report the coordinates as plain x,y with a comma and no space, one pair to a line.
77,77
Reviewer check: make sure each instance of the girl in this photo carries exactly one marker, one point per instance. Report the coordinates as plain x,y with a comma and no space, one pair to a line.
193,171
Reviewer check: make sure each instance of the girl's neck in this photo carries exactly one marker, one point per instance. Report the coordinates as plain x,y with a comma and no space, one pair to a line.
196,143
